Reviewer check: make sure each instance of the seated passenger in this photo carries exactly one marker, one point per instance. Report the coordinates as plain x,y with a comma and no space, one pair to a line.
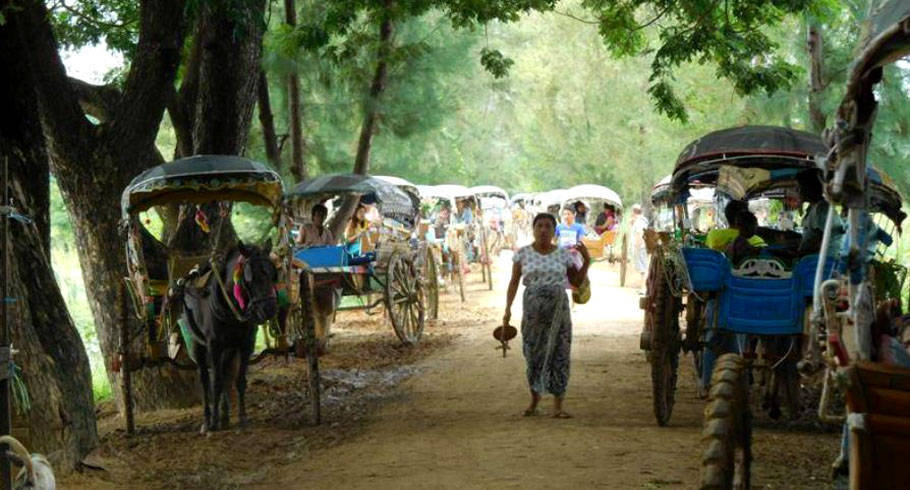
810,189
718,239
315,234
606,220
741,247
355,235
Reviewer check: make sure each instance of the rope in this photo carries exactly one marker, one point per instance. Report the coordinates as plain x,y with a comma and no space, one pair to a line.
224,292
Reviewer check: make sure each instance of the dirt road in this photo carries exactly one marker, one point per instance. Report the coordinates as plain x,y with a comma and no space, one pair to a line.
455,422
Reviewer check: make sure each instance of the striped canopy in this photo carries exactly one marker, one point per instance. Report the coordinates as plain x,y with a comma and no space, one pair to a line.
202,179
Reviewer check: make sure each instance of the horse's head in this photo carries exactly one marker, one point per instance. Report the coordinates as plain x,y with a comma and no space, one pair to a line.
256,276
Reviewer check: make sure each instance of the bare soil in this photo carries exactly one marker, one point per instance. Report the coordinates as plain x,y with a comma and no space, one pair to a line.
447,414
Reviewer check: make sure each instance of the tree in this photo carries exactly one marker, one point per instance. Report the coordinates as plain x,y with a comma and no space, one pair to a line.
58,411
211,113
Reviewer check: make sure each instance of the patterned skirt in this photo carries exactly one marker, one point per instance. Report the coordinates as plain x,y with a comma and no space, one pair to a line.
546,331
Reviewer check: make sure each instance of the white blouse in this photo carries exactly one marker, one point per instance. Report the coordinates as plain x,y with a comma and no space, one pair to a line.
543,269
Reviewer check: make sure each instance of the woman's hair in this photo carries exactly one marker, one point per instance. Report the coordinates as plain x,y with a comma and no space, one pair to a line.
354,219
545,216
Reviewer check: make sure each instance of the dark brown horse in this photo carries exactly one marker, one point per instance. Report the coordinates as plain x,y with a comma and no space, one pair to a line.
221,316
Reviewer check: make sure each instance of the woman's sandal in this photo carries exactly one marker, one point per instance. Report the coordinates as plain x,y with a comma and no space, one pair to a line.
561,415
530,412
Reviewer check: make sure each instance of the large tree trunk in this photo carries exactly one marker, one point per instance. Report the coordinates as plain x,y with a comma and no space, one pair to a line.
816,84
371,111
267,121
94,163
298,167
231,37
55,368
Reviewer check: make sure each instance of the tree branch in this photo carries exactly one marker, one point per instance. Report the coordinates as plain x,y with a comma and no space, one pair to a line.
134,123
579,19
97,101
66,129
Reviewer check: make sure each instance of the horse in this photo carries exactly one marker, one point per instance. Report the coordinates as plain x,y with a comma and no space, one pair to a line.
221,312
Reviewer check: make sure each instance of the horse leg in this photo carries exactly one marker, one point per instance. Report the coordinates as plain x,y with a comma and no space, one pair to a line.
246,351
200,353
217,353
228,357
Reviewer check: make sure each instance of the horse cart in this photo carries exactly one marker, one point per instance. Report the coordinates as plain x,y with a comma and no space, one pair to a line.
426,256
741,321
602,245
857,314
497,218
184,222
460,241
391,273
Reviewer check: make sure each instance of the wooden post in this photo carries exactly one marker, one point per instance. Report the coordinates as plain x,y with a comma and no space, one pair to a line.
126,384
308,313
5,347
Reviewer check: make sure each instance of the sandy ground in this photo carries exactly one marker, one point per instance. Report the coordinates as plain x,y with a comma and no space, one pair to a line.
447,415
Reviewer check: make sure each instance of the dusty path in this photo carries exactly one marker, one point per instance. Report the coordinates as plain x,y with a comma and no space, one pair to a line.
457,424
454,422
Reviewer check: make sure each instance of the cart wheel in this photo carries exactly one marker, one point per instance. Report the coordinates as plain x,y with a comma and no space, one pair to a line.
624,260
727,436
404,298
663,316
431,284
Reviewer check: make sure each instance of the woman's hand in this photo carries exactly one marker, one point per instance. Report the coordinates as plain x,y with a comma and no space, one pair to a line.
506,317
583,250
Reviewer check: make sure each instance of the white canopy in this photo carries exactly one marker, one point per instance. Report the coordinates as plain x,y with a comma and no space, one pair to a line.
490,190
592,192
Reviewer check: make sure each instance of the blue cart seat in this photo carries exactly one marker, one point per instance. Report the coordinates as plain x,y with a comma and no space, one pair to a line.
761,306
754,305
708,269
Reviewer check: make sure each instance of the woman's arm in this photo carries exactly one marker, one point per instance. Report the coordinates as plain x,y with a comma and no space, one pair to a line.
511,291
577,276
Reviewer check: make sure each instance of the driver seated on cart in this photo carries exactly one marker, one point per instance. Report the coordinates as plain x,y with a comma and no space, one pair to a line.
314,233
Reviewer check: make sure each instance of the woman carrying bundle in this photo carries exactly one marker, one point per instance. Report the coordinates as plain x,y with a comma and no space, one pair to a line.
546,324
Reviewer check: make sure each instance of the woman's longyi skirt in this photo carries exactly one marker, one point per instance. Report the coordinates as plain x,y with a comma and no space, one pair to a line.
546,331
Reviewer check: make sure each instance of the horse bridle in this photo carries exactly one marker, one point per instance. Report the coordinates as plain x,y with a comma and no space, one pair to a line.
244,261
240,315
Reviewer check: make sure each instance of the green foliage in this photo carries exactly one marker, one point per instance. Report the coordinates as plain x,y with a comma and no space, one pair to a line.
495,63
731,35
88,22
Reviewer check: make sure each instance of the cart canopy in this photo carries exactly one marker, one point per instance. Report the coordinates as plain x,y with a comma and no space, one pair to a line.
391,201
593,192
201,179
746,160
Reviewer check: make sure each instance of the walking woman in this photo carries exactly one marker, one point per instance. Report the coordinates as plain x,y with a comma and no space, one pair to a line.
546,325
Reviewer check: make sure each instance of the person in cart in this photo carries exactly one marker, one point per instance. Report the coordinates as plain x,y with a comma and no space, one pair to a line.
314,233
356,234
606,220
569,233
810,189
